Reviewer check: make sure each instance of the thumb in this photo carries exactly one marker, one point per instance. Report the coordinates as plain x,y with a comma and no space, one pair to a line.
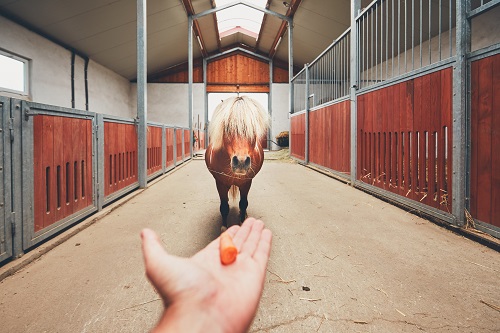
160,266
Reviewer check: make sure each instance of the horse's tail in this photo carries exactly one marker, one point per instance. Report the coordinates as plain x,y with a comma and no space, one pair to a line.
234,191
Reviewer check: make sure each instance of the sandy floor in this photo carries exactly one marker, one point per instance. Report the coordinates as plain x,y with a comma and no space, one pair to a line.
367,266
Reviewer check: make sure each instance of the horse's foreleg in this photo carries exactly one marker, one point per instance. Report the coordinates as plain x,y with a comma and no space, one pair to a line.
244,189
223,190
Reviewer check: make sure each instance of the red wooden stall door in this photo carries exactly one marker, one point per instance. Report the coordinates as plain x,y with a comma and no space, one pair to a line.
62,168
297,136
485,140
120,156
404,138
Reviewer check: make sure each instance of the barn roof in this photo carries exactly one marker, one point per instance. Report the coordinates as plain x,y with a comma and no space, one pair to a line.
105,30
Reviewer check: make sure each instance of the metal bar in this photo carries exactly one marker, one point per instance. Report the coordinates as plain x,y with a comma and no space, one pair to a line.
290,62
483,8
355,7
412,74
459,152
376,44
270,101
449,27
392,43
406,35
245,3
386,39
306,149
190,84
100,160
237,49
421,28
142,93
205,94
364,11
412,34
430,36
440,29
371,47
399,37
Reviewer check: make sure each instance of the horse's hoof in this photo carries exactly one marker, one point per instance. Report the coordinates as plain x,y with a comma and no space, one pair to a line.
222,229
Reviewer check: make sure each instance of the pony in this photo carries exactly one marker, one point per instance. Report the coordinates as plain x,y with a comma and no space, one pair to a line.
234,154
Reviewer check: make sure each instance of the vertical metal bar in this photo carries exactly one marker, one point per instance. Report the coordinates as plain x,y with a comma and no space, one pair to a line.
290,61
406,45
376,43
270,103
399,37
440,29
163,148
421,28
100,160
190,84
459,152
449,26
359,40
386,38
430,36
306,149
355,7
412,34
371,45
142,112
392,38
205,128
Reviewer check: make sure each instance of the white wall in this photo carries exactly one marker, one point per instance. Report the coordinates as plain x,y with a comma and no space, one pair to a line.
50,64
168,103
280,110
50,74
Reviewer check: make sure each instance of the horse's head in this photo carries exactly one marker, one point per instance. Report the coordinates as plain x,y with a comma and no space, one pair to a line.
241,151
237,126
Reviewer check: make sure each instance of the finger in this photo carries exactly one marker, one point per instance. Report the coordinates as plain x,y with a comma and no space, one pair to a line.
242,233
216,242
263,251
160,266
253,238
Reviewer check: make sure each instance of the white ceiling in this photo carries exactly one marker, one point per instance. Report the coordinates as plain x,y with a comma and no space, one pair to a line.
105,30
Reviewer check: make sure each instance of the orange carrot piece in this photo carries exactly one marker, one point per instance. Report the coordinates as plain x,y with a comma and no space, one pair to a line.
228,251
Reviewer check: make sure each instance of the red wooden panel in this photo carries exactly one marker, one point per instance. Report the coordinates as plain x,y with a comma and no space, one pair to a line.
495,142
47,170
179,143
474,134
59,142
120,164
170,146
154,145
187,143
399,128
297,129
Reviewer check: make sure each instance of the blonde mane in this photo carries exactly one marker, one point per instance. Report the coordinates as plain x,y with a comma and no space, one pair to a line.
240,117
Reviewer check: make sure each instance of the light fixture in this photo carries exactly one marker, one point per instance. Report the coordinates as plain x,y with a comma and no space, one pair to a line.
286,4
199,41
277,44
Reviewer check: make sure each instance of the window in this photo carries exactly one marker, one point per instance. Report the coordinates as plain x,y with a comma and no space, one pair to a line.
13,73
240,18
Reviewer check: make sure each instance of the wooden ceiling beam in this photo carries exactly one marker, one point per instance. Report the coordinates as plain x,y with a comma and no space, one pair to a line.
188,6
292,8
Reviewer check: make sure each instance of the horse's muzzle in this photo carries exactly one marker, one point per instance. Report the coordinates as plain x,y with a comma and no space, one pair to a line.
240,164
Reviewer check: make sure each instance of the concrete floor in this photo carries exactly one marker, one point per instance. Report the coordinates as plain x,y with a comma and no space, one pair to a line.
341,261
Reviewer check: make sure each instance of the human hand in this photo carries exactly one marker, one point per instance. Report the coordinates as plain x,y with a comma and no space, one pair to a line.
202,295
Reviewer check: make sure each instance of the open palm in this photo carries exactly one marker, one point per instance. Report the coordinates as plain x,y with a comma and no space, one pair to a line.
200,293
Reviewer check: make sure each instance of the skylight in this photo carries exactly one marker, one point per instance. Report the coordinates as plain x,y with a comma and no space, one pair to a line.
240,18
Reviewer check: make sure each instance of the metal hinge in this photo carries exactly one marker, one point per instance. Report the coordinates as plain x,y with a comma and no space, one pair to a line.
13,224
11,128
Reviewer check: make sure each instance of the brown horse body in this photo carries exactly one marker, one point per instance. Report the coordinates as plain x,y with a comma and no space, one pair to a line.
235,155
